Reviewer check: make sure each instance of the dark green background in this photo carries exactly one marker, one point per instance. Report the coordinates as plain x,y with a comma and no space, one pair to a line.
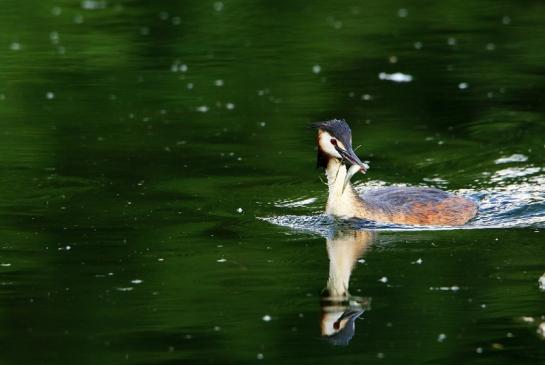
118,164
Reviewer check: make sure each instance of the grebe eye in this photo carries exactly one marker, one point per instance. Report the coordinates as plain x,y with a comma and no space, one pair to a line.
333,141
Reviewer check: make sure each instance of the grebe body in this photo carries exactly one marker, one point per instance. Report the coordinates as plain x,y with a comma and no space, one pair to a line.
399,205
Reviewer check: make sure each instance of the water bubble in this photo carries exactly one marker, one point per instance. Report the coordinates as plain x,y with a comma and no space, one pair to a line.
189,85
218,83
218,6
176,20
260,356
15,46
383,279
230,106
221,260
56,11
316,69
463,85
418,45
402,13
137,281
50,95
451,41
202,109
490,46
93,4
163,15
54,37
78,19
442,337
239,210
266,318
506,20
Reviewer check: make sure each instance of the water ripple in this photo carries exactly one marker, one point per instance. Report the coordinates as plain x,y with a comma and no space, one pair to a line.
517,205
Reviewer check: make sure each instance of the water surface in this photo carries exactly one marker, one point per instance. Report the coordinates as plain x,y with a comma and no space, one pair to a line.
159,201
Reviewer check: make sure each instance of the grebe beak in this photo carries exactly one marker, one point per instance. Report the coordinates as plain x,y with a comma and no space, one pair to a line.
356,164
350,156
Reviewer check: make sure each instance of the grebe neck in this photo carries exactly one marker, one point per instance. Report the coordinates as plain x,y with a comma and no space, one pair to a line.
340,203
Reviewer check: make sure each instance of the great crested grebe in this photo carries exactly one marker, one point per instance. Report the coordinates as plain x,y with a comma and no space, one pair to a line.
401,205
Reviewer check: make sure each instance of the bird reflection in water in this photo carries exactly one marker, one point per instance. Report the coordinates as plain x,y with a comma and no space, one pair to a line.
340,309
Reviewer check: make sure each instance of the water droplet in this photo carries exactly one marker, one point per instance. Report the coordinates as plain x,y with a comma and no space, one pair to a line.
402,13
93,4
15,46
218,6
316,69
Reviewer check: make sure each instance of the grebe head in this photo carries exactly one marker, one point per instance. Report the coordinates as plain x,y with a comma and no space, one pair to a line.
335,141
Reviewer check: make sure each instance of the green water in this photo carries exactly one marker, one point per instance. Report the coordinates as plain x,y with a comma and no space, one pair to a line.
159,202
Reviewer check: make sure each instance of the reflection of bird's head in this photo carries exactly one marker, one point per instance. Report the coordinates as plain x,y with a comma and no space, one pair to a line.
338,327
339,309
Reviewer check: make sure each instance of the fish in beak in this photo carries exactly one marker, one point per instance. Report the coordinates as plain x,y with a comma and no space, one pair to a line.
356,165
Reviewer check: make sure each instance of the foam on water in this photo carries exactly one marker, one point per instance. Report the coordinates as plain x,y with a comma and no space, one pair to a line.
509,204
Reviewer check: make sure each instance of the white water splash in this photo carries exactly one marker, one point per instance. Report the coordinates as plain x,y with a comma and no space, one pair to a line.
517,157
507,205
